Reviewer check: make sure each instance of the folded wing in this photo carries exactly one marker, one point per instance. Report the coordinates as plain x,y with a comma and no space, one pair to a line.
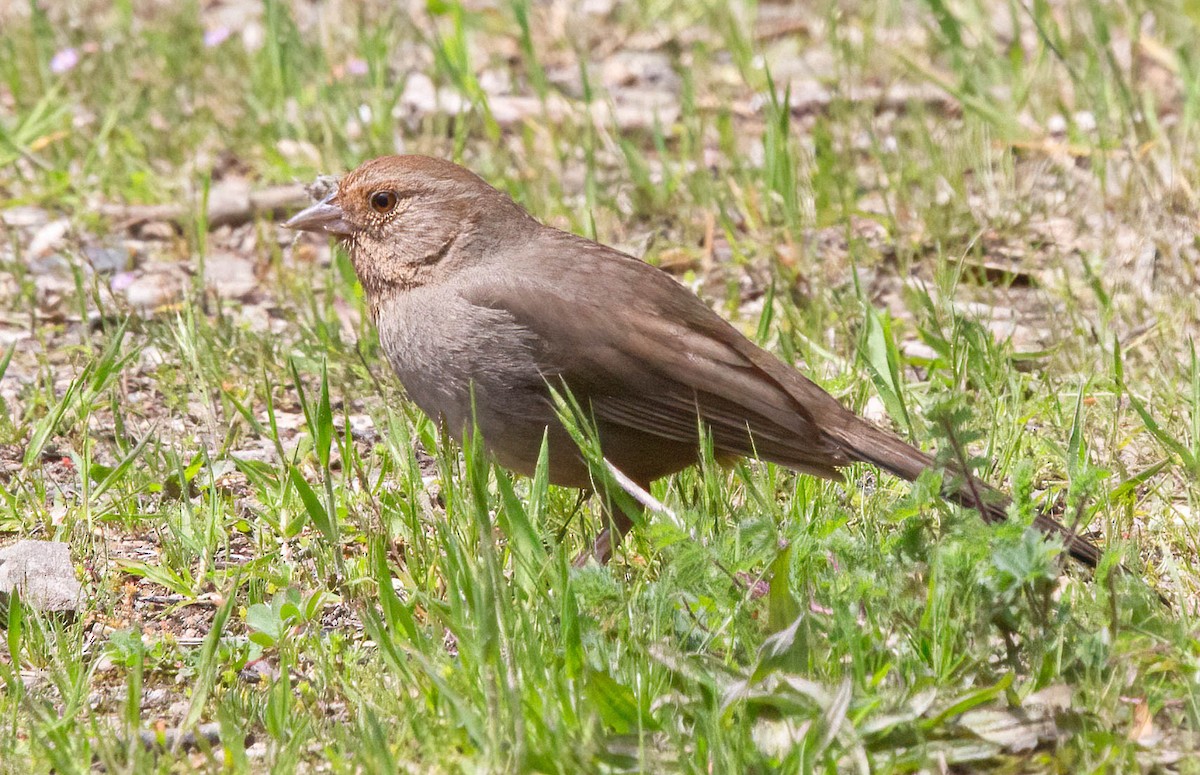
650,356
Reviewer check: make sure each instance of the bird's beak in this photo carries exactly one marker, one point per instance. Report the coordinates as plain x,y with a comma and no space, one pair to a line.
325,216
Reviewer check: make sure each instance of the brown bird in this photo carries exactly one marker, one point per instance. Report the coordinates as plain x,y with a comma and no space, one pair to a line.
476,300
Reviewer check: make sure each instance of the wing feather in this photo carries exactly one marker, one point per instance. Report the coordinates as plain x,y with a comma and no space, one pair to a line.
650,356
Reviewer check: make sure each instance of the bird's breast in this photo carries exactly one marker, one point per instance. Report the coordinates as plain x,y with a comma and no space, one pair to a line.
454,358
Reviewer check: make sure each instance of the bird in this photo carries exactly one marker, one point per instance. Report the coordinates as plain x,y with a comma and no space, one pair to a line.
486,314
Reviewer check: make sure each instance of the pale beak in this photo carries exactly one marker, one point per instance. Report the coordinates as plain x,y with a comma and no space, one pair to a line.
324,216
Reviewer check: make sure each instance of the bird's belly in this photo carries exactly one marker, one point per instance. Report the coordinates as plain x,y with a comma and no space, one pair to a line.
467,366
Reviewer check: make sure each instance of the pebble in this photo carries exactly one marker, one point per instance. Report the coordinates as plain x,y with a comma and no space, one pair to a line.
156,230
53,264
155,698
26,217
108,259
153,290
49,238
42,573
151,358
229,275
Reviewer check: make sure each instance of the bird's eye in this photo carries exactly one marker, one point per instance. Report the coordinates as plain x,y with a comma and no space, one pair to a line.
383,201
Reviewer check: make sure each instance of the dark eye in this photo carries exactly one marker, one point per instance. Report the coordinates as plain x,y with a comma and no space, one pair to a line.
383,201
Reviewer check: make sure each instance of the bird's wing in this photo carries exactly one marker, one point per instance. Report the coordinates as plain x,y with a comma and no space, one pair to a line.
648,355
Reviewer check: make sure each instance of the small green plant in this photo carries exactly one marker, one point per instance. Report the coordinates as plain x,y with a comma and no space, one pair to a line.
273,623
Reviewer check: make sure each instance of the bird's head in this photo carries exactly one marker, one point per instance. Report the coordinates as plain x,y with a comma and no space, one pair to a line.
406,220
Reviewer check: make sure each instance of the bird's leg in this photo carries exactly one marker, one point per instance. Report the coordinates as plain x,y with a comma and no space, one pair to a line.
619,523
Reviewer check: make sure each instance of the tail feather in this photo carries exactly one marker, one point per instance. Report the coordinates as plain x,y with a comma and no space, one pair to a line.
871,445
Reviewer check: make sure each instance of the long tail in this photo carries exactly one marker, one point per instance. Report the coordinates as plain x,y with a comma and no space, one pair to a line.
871,445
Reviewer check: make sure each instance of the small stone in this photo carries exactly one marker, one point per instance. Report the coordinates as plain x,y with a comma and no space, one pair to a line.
229,275
108,259
150,359
155,698
42,574
600,8
153,290
50,238
362,427
421,97
56,292
53,264
261,450
298,152
155,230
207,735
639,70
875,411
27,217
33,680
9,336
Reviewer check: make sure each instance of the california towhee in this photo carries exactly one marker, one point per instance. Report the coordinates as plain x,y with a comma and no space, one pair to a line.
474,297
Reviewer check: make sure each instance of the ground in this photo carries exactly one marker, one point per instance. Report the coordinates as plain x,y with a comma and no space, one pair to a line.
974,223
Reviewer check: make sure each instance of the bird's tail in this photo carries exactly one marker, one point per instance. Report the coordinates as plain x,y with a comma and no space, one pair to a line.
868,444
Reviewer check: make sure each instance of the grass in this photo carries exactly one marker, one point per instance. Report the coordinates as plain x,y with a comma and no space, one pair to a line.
277,544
